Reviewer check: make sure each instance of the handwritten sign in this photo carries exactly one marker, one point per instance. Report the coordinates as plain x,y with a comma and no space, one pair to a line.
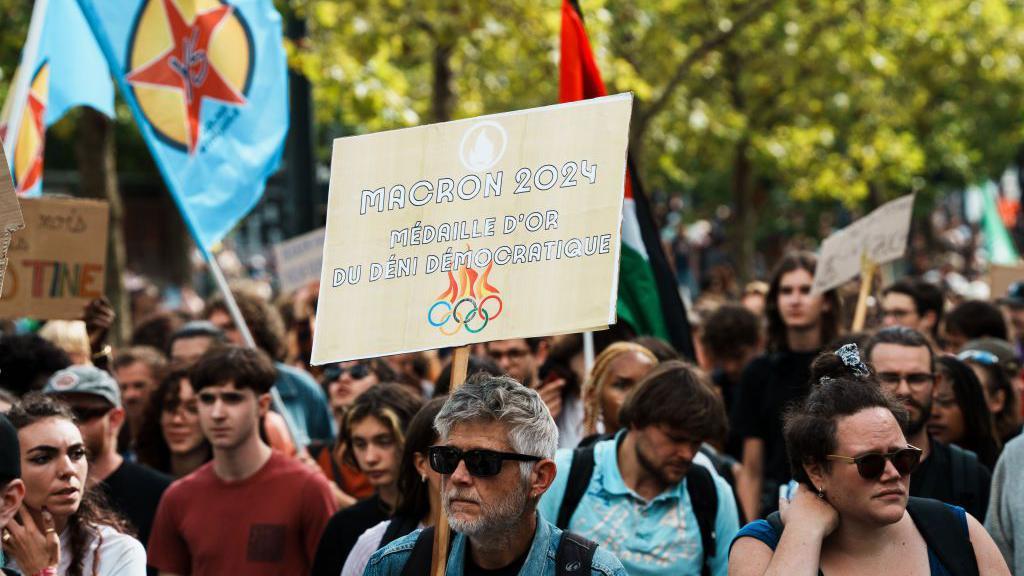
11,218
503,226
58,264
879,237
299,260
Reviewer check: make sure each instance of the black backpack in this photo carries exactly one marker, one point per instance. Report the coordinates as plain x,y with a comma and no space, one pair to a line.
699,485
933,520
574,556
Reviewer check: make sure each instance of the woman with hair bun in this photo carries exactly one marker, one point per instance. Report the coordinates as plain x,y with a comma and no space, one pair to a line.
851,512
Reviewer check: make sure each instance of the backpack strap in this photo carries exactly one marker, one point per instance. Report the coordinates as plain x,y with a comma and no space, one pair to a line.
398,527
580,471
963,464
945,534
419,560
575,555
704,501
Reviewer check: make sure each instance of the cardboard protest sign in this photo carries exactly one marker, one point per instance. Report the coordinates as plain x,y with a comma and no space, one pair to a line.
1000,278
57,265
503,226
879,237
299,260
11,218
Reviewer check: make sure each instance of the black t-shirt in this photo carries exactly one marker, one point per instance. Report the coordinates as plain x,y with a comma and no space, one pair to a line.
769,384
341,533
134,492
934,479
471,569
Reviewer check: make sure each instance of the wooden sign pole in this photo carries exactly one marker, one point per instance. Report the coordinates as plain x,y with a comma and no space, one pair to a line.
460,364
867,278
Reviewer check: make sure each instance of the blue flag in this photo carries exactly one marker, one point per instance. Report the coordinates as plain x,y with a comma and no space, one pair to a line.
61,67
208,85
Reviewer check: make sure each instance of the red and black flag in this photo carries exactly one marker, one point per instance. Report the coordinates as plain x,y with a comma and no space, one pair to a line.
648,293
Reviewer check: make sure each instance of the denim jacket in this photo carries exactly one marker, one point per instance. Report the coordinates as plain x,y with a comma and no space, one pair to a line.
540,561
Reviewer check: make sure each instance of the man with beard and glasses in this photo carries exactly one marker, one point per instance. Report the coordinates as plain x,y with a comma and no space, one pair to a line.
497,440
904,364
640,493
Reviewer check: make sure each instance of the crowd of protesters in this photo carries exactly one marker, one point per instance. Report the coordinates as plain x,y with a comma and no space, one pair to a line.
789,445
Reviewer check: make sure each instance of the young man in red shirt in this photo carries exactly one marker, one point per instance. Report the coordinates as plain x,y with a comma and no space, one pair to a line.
250,510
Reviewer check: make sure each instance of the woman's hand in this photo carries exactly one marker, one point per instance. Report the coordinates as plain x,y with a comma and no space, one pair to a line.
34,549
809,511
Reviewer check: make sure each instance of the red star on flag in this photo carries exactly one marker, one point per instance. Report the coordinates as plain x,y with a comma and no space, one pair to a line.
186,66
36,109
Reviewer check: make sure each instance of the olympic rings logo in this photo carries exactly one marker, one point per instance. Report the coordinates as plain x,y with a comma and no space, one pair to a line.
467,312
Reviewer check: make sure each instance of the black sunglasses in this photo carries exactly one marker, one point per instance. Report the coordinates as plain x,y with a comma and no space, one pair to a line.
479,463
870,466
356,371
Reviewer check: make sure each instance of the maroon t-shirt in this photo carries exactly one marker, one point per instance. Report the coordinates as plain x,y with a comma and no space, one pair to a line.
268,524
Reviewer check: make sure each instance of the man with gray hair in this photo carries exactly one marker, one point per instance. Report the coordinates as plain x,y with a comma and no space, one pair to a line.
492,507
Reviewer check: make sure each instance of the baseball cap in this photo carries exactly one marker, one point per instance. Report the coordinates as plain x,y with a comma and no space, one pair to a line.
1014,295
10,450
85,379
1001,349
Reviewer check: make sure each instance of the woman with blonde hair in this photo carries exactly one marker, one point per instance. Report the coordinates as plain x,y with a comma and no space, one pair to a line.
617,369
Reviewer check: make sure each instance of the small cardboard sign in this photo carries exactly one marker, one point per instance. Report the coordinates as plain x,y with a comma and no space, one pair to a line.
503,226
299,260
11,218
1000,278
59,263
879,237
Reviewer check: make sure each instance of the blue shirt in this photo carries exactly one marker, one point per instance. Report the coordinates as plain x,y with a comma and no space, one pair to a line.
539,562
763,531
651,538
306,404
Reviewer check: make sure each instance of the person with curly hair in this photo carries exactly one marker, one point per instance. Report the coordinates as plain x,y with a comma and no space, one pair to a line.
92,539
617,369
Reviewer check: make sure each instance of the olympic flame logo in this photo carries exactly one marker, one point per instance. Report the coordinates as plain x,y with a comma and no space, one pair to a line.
470,302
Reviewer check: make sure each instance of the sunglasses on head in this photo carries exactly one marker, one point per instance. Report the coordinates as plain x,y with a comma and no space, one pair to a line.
871,465
480,463
356,371
979,356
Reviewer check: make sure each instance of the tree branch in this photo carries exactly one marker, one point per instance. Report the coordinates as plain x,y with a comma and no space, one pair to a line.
645,114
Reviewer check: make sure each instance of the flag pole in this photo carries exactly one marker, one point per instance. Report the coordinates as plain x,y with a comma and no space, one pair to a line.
439,558
588,352
236,315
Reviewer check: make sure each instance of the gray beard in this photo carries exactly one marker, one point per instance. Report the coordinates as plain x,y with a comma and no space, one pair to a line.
495,520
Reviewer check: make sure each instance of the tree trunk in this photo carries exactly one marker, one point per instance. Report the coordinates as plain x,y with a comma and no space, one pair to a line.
97,168
442,103
742,235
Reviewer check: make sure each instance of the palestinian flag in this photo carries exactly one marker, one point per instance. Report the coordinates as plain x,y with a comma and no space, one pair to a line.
648,294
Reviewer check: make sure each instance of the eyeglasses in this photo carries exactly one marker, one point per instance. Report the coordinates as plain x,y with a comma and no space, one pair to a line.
979,356
870,466
914,380
89,413
479,463
356,371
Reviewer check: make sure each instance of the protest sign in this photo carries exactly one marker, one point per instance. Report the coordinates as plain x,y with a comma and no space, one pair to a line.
57,265
11,218
1000,278
503,226
299,259
875,239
